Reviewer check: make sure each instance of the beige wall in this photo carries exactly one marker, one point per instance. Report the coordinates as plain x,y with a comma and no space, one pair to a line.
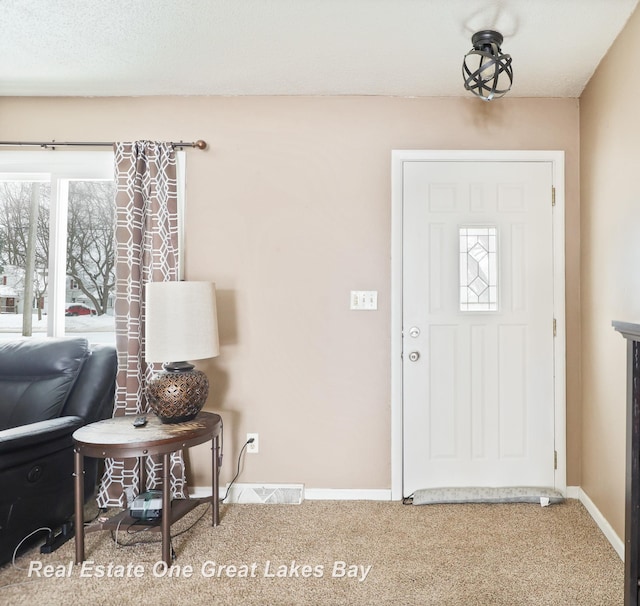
287,211
610,198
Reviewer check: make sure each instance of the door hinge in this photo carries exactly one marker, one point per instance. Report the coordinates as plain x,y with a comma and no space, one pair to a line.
553,196
555,328
555,459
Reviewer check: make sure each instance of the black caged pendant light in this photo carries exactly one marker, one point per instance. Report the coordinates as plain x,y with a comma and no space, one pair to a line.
487,71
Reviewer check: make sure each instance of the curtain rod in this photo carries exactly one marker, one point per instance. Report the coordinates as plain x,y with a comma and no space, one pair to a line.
199,144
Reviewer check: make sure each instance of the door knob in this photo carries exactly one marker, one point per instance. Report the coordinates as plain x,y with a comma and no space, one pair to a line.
414,356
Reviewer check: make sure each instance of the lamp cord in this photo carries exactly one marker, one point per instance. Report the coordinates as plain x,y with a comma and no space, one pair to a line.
237,470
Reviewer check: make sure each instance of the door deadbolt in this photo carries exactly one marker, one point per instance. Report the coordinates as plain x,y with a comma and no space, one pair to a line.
414,332
414,356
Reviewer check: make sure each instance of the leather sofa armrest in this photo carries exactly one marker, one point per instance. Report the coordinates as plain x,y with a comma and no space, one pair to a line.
35,434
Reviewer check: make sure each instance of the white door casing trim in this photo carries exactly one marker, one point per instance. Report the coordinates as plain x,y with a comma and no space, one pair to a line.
397,160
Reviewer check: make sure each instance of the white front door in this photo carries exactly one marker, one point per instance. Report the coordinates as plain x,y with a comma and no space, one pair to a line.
478,324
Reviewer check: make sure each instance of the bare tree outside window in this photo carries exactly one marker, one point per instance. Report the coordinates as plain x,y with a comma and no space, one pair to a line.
24,253
90,257
90,241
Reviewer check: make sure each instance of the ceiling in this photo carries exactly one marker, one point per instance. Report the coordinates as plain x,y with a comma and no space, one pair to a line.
295,47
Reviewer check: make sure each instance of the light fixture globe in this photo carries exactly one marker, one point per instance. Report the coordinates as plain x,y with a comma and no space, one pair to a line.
486,70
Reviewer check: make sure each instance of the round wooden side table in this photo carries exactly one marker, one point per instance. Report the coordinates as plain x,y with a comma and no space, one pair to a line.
118,438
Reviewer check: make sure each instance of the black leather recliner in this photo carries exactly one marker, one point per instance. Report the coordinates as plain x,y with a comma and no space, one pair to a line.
48,388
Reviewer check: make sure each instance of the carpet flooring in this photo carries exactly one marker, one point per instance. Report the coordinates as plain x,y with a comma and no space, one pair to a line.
342,553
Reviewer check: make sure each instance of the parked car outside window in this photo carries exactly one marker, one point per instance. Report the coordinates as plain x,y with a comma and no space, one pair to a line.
79,310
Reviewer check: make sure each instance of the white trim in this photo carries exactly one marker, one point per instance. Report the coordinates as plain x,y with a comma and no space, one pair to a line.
573,492
398,157
77,165
347,494
616,542
202,492
559,313
314,494
57,256
396,326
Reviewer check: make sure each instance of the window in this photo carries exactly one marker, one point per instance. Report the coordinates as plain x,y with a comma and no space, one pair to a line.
57,250
478,269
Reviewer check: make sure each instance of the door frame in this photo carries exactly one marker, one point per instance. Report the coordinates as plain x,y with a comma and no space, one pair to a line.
398,158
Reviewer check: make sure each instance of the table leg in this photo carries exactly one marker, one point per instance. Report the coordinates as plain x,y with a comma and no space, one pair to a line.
166,510
78,464
215,481
142,474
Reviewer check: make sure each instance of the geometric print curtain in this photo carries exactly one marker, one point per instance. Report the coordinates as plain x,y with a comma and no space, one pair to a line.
146,251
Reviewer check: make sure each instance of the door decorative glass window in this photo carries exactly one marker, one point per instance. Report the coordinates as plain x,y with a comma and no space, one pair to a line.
478,269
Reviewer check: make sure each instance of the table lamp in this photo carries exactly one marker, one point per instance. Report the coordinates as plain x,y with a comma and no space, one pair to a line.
181,325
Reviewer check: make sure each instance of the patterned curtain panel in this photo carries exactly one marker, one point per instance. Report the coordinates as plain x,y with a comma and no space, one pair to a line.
146,251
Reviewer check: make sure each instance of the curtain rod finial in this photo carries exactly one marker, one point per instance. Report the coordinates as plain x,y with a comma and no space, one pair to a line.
200,144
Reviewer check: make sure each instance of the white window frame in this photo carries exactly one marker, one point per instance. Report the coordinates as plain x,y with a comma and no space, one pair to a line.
59,168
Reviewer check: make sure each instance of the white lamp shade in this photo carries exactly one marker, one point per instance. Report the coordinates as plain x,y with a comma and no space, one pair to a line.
181,321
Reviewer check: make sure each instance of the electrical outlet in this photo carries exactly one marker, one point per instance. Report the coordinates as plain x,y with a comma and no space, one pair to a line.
254,447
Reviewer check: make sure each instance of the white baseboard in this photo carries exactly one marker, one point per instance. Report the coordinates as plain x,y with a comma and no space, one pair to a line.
347,494
575,492
314,494
201,492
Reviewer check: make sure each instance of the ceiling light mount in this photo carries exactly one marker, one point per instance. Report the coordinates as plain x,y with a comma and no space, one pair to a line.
486,70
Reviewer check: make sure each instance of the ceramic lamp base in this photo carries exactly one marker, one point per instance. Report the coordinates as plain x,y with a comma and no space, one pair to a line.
177,396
